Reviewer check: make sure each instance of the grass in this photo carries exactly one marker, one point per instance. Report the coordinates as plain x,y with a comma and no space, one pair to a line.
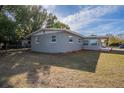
79,69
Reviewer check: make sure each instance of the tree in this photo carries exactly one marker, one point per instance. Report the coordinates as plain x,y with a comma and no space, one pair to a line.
50,20
59,24
7,28
1,6
38,16
115,41
30,18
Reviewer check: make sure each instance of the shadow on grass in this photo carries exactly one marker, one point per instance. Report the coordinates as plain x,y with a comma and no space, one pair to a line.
34,63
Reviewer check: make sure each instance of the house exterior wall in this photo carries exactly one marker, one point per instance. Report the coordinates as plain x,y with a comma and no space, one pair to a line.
90,46
61,45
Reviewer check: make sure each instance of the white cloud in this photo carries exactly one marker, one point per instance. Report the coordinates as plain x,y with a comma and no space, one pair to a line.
103,29
87,15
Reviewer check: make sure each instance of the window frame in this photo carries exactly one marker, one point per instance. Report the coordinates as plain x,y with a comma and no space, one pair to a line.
70,38
84,42
37,41
53,39
94,42
79,40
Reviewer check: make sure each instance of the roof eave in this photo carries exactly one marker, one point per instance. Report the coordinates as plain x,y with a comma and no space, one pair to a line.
55,29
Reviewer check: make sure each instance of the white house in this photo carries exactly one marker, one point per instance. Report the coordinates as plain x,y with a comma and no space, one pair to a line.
51,40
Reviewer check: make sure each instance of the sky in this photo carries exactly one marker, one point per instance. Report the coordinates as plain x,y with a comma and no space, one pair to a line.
90,19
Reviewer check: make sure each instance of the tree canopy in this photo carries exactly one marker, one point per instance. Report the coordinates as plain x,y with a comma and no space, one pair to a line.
19,21
7,28
115,41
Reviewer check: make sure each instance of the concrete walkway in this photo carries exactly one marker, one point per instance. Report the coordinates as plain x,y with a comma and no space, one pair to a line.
118,50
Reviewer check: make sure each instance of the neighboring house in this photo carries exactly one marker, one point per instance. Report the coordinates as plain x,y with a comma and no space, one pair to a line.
25,43
51,40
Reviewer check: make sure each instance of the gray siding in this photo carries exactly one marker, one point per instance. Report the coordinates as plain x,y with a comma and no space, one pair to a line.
92,47
60,46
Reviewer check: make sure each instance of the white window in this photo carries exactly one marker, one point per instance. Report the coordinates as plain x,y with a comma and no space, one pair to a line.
85,42
93,42
70,39
37,40
79,40
53,38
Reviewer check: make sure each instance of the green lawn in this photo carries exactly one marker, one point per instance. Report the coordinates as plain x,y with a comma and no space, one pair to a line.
78,69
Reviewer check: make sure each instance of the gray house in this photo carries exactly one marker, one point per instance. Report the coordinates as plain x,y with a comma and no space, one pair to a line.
51,40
